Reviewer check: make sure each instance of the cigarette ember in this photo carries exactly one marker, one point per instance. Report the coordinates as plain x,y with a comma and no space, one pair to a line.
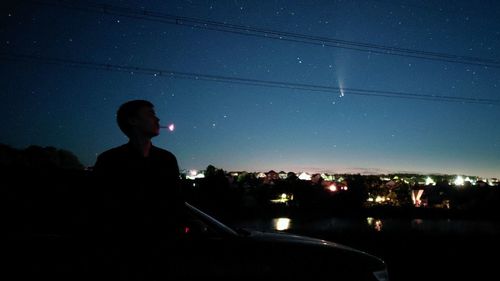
170,127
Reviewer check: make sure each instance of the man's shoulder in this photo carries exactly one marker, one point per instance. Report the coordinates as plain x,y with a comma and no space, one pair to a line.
113,155
111,159
163,152
113,152
165,159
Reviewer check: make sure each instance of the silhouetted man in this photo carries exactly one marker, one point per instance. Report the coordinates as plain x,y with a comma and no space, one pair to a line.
138,184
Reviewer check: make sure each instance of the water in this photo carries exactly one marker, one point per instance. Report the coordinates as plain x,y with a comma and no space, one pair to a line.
368,225
414,249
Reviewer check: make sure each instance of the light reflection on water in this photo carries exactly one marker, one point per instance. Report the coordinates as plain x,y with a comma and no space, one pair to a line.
281,224
378,225
373,224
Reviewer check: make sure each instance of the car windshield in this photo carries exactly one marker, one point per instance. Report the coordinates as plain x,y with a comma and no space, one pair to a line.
206,225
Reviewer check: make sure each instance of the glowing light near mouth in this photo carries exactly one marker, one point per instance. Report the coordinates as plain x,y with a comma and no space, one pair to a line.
170,127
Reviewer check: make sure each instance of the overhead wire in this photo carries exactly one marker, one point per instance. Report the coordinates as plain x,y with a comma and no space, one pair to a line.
259,32
243,80
143,14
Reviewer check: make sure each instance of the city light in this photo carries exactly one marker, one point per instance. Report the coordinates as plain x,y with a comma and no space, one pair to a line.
415,197
429,181
332,187
459,181
194,174
468,179
327,177
304,176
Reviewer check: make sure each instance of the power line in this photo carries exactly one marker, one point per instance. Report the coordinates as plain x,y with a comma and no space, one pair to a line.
441,11
242,80
268,33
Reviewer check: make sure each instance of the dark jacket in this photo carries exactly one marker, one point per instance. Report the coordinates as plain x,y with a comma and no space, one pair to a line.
138,195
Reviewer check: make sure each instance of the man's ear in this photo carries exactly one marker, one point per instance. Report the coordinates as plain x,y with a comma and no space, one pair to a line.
132,121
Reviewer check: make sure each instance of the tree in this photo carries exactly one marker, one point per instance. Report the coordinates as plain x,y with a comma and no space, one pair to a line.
37,157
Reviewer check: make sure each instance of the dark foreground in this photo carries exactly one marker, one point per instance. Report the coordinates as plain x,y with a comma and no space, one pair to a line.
414,249
51,236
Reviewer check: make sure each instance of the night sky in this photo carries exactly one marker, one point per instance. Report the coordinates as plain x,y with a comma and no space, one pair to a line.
244,126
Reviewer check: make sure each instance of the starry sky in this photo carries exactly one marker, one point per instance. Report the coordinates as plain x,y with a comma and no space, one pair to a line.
245,126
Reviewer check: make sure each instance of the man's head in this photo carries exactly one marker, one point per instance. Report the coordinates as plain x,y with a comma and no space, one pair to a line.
138,118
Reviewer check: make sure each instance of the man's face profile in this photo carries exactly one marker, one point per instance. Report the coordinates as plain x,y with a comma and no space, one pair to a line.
146,122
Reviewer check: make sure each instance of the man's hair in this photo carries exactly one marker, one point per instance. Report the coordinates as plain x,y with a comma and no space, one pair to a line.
128,110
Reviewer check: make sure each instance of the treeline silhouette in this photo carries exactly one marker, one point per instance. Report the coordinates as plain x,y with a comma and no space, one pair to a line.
44,189
37,157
